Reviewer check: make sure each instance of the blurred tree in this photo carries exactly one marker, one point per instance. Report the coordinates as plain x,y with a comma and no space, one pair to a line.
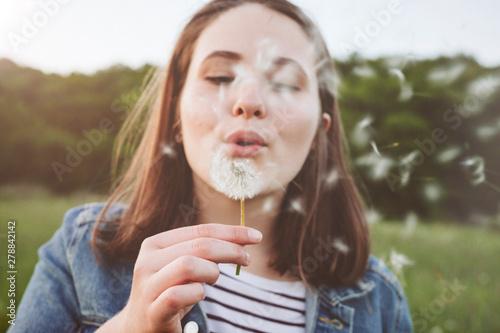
424,135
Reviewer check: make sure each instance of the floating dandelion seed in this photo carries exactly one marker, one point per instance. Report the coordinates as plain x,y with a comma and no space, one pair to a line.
319,65
409,159
340,245
484,87
449,155
406,92
406,167
379,165
405,178
361,135
267,53
411,221
436,329
399,61
332,178
296,206
268,205
375,148
240,74
446,74
363,71
398,73
372,216
486,133
399,261
474,168
168,150
432,192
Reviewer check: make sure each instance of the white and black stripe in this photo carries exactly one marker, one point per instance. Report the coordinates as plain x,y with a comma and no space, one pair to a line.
250,303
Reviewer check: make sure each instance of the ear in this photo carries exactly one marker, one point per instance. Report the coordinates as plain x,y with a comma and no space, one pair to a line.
327,121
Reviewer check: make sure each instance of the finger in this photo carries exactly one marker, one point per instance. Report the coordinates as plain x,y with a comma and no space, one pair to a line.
235,234
211,249
182,270
172,300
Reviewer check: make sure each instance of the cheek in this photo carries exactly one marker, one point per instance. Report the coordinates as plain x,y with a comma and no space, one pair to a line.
198,120
296,120
199,114
295,127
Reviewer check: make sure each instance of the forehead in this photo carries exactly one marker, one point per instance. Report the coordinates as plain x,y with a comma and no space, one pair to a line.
256,33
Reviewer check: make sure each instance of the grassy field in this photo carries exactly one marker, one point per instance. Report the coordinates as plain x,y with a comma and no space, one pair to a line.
453,284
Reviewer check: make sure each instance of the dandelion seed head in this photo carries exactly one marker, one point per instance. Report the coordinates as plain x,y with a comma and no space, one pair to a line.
235,178
398,261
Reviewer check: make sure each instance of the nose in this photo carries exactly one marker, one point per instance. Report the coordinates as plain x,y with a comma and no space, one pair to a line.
249,103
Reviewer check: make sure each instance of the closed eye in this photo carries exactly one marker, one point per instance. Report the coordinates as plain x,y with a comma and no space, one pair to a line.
220,79
282,86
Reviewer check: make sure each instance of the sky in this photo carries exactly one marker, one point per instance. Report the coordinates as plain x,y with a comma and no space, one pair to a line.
64,36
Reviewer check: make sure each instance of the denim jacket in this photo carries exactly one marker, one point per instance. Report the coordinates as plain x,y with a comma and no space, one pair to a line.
70,292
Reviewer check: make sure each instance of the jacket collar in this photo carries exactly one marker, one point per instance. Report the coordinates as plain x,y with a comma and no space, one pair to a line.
330,298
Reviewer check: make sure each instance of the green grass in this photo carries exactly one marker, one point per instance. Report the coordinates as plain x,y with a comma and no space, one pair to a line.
442,255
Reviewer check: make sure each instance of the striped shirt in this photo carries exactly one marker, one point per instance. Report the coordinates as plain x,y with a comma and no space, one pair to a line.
250,303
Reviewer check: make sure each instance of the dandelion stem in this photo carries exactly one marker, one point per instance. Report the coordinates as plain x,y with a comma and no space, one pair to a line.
391,145
242,223
493,186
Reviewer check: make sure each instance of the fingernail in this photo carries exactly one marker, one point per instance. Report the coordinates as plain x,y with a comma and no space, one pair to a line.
249,259
254,235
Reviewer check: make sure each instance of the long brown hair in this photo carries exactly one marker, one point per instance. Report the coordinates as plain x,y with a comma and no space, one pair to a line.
324,241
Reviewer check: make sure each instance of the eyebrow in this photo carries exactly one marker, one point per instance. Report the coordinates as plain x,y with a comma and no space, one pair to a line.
281,62
223,54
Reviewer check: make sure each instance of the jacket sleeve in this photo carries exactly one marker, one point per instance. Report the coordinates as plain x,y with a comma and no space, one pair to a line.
49,303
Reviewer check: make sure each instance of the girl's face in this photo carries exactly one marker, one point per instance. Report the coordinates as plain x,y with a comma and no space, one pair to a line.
251,92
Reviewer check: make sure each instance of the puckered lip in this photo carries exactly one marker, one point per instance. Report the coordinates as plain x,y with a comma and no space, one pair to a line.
247,137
